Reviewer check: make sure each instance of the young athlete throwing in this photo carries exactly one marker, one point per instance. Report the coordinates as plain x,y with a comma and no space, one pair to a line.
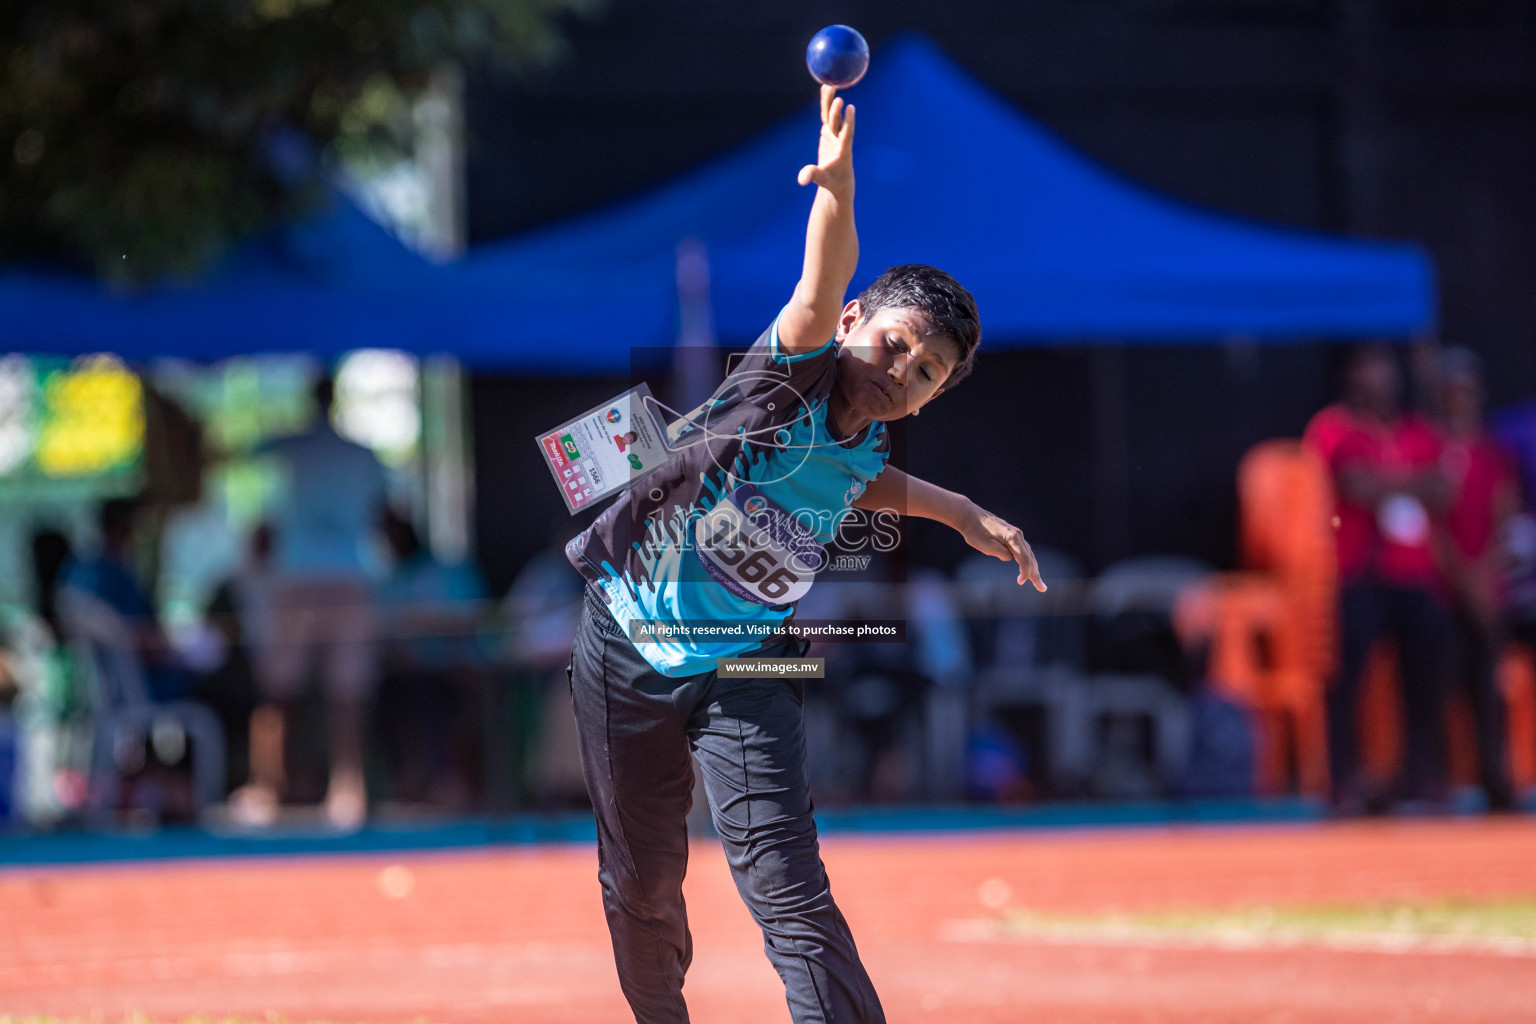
730,532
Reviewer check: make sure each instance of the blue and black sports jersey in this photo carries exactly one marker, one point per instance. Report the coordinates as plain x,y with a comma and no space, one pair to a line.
757,455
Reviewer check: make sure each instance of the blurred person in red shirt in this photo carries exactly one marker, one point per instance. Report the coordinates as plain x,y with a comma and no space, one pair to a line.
1484,497
1390,495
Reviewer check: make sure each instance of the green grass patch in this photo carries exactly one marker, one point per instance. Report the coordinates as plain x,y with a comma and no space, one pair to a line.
1514,918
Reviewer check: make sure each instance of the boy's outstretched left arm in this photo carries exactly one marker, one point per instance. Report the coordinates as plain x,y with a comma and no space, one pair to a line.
831,243
991,535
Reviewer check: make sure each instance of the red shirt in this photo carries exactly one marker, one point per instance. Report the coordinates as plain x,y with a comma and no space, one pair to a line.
1478,470
1392,541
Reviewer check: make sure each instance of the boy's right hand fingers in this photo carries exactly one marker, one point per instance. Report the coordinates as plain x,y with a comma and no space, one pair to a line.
1029,569
827,92
835,116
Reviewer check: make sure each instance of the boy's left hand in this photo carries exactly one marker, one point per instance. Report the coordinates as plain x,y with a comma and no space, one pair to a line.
833,169
995,536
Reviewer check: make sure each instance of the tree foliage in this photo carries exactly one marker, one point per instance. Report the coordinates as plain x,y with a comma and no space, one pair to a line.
139,137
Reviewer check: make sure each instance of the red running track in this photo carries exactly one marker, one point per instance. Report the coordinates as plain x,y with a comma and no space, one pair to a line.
518,935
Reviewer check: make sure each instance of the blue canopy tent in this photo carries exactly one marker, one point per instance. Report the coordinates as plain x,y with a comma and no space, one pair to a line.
327,283
1055,248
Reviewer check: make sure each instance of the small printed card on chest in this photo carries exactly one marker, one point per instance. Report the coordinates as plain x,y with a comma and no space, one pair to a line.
605,449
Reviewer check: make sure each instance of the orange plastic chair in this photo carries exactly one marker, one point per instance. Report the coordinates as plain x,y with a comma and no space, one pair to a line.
1285,503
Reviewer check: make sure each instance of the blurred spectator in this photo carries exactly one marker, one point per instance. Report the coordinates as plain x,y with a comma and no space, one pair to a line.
1485,496
53,729
434,681
110,576
153,779
1388,491
240,613
322,605
50,554
541,612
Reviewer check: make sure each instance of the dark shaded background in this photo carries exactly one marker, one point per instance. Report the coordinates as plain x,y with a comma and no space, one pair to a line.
1405,119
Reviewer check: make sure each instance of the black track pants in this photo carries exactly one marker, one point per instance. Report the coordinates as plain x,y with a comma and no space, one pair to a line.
635,728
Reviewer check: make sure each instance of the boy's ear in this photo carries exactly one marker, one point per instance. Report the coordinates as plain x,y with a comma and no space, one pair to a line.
848,318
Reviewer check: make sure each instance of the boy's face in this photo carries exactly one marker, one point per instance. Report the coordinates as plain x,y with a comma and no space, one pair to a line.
893,363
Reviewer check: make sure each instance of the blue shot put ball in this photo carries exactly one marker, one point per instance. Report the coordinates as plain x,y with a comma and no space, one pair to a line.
838,56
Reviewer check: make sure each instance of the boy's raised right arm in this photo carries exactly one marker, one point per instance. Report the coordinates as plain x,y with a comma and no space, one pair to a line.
831,244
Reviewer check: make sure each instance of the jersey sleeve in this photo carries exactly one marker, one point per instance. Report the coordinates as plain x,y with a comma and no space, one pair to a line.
768,374
882,449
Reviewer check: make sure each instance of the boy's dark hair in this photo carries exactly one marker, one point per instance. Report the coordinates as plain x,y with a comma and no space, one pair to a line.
938,296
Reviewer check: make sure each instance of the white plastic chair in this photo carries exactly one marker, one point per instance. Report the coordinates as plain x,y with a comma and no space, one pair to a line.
1038,661
1150,584
121,709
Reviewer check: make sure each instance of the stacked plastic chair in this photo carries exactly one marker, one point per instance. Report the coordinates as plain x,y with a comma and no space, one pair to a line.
1285,500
